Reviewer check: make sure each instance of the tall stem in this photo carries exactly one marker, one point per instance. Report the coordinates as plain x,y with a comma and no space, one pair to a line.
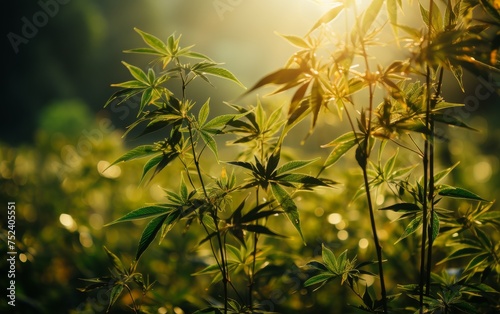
425,162
214,213
366,155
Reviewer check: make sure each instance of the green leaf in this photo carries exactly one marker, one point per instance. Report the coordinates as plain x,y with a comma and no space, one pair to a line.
455,192
223,73
153,42
149,51
295,40
150,164
115,294
443,173
321,278
146,99
491,9
411,228
294,165
476,261
137,73
210,142
218,122
261,230
369,16
138,152
451,120
445,105
149,234
166,159
329,259
389,165
117,264
204,111
197,55
327,17
273,162
300,178
462,252
143,213
288,206
403,207
435,226
131,84
281,76
340,150
392,11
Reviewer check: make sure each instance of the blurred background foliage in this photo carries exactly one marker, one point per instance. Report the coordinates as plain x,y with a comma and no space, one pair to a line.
56,139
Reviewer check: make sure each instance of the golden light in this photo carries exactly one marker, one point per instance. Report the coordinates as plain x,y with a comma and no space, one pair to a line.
363,243
334,218
107,171
68,222
343,235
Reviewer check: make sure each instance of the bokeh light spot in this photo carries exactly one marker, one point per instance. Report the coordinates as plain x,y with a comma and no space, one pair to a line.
107,171
363,243
482,171
343,235
68,222
334,218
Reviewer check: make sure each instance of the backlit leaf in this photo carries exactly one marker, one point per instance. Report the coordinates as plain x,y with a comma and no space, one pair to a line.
327,17
295,40
153,42
138,152
142,213
223,73
288,206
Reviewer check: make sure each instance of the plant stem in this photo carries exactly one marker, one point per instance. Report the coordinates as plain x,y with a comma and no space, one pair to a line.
424,282
378,247
223,262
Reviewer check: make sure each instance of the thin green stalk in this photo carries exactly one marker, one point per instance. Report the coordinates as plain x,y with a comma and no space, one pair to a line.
425,269
254,257
223,262
431,187
366,156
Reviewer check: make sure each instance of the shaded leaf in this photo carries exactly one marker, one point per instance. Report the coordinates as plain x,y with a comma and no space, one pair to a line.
455,192
115,261
321,278
149,234
115,294
150,164
261,230
404,207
